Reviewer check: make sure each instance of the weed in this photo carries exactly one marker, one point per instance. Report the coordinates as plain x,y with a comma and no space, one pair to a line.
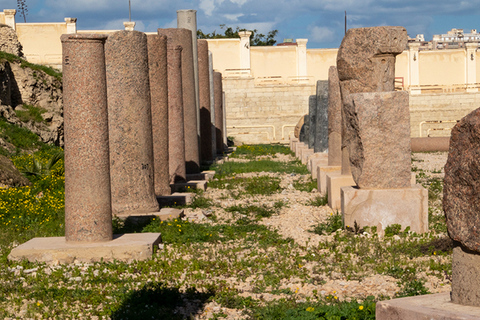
258,211
393,230
30,113
319,201
334,222
306,186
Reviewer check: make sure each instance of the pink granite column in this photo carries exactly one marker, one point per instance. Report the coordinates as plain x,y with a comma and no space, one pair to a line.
183,38
176,133
88,213
130,123
205,109
334,119
218,91
157,62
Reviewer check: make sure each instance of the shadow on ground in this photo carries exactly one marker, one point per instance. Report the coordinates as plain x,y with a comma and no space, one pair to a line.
155,301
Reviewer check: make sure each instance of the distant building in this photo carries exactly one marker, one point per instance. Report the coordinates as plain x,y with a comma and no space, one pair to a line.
453,39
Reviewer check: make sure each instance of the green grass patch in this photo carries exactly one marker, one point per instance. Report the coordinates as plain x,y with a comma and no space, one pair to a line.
333,223
258,212
25,64
319,201
306,186
229,168
251,151
20,138
30,113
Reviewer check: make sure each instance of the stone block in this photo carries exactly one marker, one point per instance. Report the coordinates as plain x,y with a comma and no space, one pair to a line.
305,153
317,159
465,279
378,139
189,185
335,181
123,247
427,307
384,207
427,144
322,171
176,199
299,147
293,141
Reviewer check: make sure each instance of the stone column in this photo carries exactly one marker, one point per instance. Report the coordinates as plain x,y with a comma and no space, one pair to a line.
245,49
88,214
157,62
413,63
334,119
129,25
471,66
217,83
183,38
302,57
321,120
212,104
71,25
187,19
176,132
10,18
130,123
224,112
312,122
204,91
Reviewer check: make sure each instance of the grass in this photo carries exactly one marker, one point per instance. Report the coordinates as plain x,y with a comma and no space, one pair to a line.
209,265
36,67
20,138
30,113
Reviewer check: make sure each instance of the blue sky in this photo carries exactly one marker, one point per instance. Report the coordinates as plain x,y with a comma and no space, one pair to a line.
320,21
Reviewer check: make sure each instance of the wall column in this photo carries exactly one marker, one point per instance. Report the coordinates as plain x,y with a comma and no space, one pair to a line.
71,25
471,66
413,69
10,17
302,57
245,50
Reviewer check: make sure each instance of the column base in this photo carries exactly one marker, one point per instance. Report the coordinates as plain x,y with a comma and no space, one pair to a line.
318,158
322,172
335,181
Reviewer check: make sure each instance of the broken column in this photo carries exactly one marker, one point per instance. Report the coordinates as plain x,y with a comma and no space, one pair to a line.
218,91
130,123
334,128
176,132
183,38
88,213
377,133
157,63
204,96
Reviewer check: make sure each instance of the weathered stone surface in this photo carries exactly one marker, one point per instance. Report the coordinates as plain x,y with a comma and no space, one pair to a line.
183,38
298,127
88,206
334,119
204,98
305,130
366,58
312,116
465,279
461,190
218,91
157,63
9,175
321,120
378,139
9,41
176,132
130,123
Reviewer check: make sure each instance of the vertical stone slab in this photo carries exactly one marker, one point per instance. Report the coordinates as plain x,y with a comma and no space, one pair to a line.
157,63
187,19
334,119
312,116
305,130
183,38
204,94
321,120
378,126
176,132
218,90
212,105
88,213
130,123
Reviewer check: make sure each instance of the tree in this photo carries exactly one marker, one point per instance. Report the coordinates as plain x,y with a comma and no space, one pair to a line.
22,8
256,39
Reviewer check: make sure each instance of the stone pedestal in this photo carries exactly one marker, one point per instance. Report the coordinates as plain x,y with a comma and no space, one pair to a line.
88,213
176,132
293,141
314,161
465,277
205,108
305,154
299,147
427,307
130,123
384,207
335,181
322,172
157,63
183,38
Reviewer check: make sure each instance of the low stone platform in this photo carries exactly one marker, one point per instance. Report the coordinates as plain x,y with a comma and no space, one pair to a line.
305,154
176,199
192,185
427,307
316,159
322,171
163,214
123,247
384,207
204,175
335,181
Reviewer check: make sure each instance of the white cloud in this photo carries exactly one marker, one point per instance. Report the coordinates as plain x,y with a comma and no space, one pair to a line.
207,6
239,2
233,17
321,34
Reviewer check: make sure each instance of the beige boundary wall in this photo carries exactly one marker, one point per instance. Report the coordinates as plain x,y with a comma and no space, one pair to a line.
267,89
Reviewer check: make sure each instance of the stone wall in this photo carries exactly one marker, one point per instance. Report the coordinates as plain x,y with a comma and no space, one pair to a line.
263,113
435,114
